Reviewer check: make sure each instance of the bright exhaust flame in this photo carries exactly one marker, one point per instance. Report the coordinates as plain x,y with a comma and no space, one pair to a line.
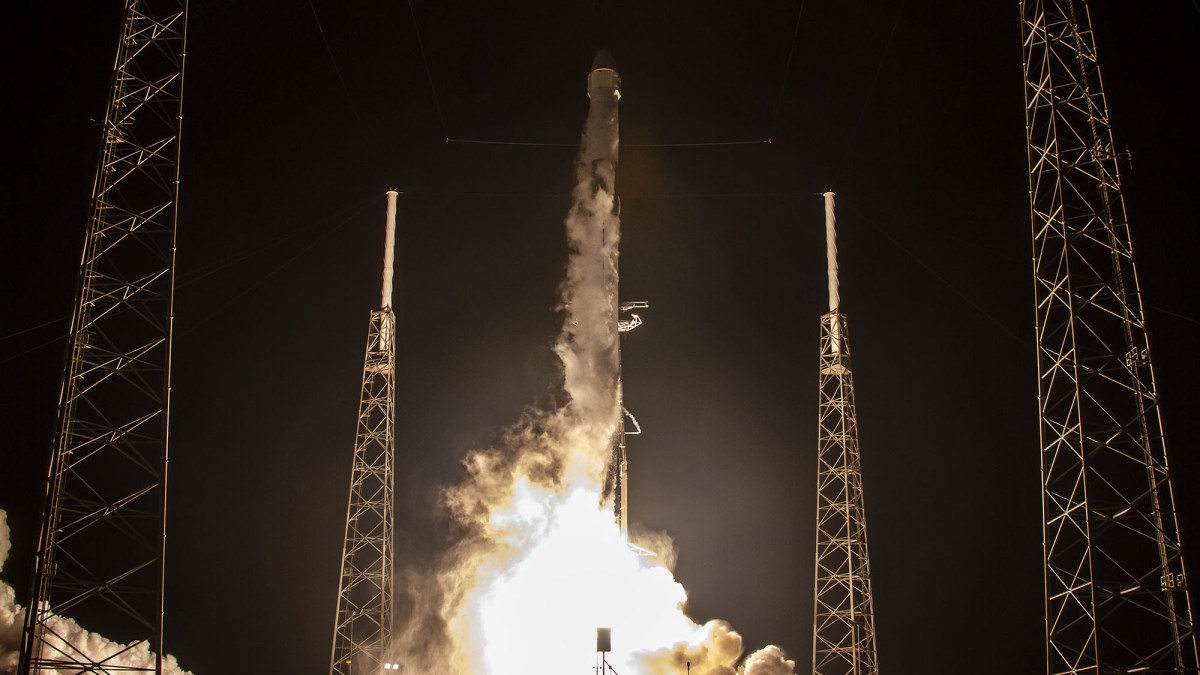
578,575
545,565
538,562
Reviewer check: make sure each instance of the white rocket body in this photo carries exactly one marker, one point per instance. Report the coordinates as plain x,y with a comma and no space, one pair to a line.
603,130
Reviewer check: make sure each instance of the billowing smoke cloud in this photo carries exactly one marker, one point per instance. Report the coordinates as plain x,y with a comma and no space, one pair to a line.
5,541
11,614
536,561
769,660
71,639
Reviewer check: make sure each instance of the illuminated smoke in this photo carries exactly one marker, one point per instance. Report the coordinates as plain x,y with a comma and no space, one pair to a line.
98,648
537,561
769,660
5,542
11,614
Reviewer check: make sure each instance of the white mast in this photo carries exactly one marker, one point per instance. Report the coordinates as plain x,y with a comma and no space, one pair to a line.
835,300
831,251
389,245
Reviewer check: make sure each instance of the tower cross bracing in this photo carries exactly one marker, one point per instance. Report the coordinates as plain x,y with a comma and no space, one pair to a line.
100,550
1116,597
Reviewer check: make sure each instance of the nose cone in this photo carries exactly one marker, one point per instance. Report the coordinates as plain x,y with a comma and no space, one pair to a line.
603,80
604,59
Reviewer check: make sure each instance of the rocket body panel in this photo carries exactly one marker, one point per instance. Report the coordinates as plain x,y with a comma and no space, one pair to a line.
604,82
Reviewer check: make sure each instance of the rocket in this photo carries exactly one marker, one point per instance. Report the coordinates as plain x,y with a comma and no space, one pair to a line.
598,169
601,136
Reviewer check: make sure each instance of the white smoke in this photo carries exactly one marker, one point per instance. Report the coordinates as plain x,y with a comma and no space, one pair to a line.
5,543
11,614
68,639
769,660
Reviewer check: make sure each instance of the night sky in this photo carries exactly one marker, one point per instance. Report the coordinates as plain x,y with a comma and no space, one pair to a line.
911,111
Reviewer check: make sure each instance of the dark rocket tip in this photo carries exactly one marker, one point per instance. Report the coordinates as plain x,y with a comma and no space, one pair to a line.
604,59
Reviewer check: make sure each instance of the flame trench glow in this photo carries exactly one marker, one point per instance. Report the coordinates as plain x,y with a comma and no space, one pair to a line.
538,561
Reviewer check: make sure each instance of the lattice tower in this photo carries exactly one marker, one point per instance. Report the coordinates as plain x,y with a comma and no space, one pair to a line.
843,610
363,625
100,551
1116,590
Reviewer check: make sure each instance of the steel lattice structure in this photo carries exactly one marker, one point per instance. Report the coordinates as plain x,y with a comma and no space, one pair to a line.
100,552
363,624
843,609
844,616
1116,591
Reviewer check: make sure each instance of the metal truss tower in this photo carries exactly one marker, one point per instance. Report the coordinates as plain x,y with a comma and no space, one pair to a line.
843,612
1116,591
362,630
100,550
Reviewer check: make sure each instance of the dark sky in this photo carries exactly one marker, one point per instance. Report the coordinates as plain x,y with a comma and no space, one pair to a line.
912,114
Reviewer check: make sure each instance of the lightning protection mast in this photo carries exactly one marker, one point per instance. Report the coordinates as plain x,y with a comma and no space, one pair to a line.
100,551
362,630
844,615
1116,591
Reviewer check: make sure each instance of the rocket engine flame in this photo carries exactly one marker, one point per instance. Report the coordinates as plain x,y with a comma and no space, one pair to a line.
539,562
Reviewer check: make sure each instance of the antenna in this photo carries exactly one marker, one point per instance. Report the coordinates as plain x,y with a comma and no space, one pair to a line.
843,613
362,629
